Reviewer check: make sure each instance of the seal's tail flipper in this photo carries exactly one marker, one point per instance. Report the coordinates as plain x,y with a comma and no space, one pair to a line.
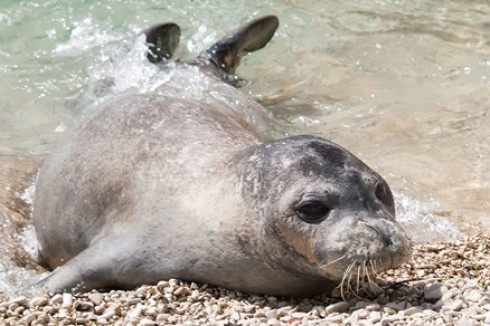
163,39
253,35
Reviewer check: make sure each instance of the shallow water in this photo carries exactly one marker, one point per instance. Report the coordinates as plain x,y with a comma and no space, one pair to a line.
401,84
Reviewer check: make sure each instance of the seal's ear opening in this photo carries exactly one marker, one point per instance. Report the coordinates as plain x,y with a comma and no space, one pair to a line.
251,36
162,39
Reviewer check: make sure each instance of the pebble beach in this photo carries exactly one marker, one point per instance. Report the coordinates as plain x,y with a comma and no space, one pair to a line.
445,283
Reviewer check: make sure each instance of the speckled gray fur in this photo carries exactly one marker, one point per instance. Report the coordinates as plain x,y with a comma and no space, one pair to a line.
178,184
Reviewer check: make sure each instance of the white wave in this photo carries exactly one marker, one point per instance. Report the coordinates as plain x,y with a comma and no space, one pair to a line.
420,223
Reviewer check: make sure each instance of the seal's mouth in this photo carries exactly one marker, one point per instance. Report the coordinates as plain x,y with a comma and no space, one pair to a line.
357,274
374,250
357,257
346,267
360,274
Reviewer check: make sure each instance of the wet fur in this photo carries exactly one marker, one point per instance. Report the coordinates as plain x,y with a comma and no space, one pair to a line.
162,185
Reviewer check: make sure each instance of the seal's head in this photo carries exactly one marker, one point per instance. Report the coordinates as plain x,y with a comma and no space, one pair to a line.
329,214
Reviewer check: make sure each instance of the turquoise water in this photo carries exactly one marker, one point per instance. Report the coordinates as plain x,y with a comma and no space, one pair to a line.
401,84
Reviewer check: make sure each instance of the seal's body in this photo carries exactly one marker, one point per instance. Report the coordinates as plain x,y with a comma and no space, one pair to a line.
155,186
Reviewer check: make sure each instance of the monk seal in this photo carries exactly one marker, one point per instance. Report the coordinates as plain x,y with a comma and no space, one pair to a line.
177,183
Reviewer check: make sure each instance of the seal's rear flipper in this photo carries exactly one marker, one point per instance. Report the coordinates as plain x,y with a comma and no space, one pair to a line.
254,35
163,39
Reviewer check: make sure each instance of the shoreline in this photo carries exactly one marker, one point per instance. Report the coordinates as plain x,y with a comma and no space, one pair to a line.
444,283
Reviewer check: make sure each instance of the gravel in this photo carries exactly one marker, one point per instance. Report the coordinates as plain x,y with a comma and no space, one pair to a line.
444,284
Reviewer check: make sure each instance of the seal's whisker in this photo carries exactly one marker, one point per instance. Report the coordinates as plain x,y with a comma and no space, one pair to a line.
346,273
375,271
350,276
323,267
335,260
369,280
358,273
348,283
342,287
363,271
350,288
356,294
351,271
342,284
364,275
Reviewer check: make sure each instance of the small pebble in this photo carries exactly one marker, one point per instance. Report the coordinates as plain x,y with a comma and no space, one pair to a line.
390,319
19,300
273,322
434,292
411,311
96,298
337,307
181,291
457,304
374,317
39,302
363,314
448,295
373,307
67,300
393,306
82,320
146,322
271,314
57,299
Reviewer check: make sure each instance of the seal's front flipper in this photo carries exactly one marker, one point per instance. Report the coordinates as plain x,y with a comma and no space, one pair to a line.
254,35
163,39
100,266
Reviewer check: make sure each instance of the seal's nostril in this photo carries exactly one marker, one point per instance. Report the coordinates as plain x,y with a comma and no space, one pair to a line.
382,234
388,241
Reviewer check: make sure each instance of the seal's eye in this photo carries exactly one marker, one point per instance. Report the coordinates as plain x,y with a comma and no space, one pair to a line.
312,211
381,194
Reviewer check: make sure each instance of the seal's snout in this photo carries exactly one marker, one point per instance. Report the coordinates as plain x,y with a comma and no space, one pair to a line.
383,233
394,245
